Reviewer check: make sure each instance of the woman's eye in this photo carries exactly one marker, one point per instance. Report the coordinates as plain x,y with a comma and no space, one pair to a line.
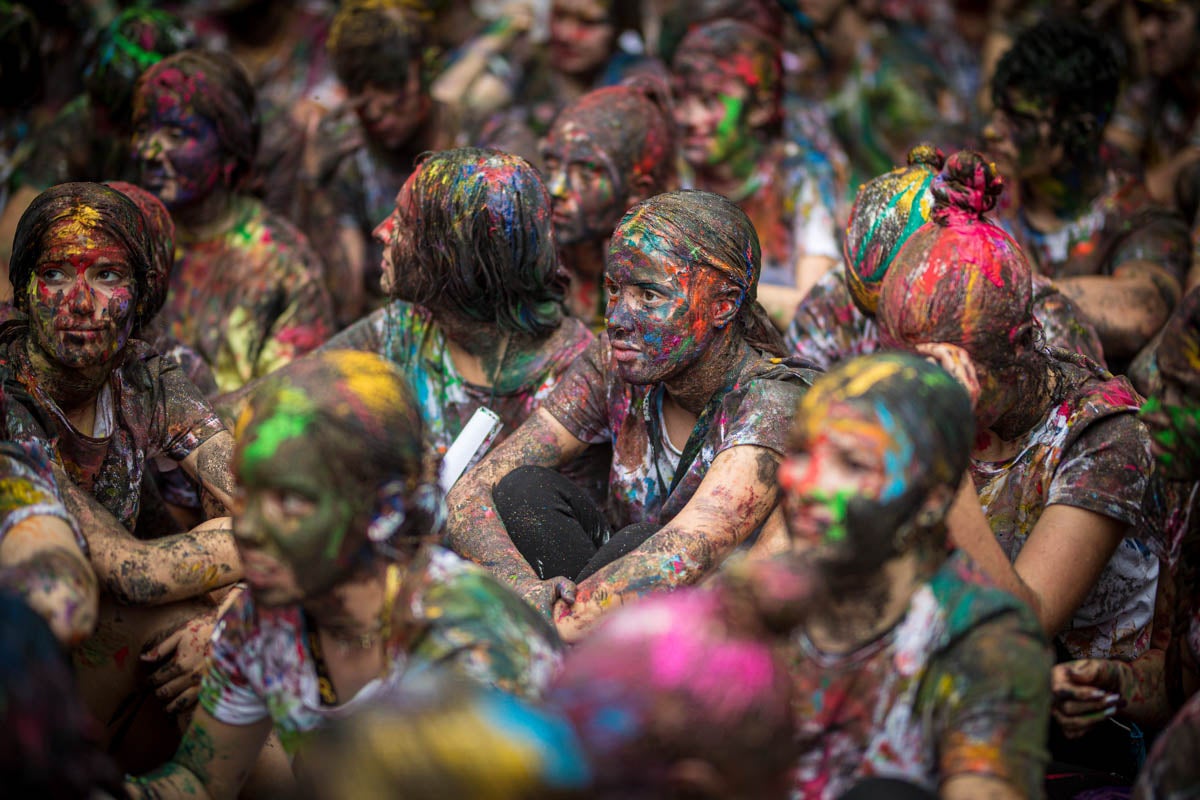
52,275
295,505
650,296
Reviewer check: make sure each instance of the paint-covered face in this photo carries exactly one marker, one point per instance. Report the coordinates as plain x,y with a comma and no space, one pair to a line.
294,517
1172,413
82,293
581,35
1169,36
391,116
1020,137
389,234
711,110
660,311
585,189
178,152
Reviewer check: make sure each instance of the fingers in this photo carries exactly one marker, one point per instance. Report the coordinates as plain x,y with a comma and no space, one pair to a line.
185,696
565,589
163,648
1075,726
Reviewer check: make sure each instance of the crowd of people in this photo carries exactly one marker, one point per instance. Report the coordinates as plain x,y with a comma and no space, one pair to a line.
600,399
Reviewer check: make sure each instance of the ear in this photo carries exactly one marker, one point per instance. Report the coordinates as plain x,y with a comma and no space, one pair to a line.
725,307
640,188
694,778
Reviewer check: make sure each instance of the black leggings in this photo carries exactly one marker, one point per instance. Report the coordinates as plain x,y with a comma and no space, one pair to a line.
557,527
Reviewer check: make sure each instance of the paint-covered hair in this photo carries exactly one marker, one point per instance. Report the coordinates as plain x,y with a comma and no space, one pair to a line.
740,52
887,210
1069,68
632,126
217,87
438,736
478,241
704,229
162,238
928,418
960,279
133,42
356,409
671,680
93,204
376,42
49,744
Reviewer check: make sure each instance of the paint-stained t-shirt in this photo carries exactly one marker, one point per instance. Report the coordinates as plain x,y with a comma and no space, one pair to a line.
408,336
1090,451
147,409
459,618
595,405
28,488
959,686
250,299
828,328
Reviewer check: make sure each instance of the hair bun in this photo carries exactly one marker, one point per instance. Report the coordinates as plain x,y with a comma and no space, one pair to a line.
928,155
968,183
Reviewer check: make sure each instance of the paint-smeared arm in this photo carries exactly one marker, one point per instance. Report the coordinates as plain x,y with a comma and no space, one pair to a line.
211,464
1128,307
475,530
212,761
736,496
157,571
40,559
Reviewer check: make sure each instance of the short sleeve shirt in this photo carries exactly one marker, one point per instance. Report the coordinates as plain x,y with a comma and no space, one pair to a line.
1090,451
262,666
250,299
408,336
828,327
156,411
960,686
28,488
595,405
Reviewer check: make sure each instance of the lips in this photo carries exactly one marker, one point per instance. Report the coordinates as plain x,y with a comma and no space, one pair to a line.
623,351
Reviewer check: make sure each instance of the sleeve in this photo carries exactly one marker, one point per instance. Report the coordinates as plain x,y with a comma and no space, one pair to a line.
1158,236
827,327
28,488
1105,469
580,400
185,419
225,691
991,691
763,417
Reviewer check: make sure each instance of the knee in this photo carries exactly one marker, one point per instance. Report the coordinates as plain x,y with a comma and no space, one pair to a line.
521,487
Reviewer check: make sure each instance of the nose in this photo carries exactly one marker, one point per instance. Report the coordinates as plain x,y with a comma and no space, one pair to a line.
1150,28
617,317
246,527
996,129
80,300
148,147
385,230
689,112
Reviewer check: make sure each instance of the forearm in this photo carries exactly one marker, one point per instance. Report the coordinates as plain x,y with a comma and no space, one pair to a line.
1144,690
171,780
211,464
476,532
166,570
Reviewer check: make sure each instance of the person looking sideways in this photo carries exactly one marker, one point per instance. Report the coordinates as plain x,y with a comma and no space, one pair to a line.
904,666
337,507
683,385
247,290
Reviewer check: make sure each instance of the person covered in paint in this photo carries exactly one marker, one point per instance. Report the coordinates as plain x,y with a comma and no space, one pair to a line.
607,151
439,737
477,317
836,319
1093,230
727,77
905,667
247,292
684,387
337,510
88,139
1061,462
365,150
678,696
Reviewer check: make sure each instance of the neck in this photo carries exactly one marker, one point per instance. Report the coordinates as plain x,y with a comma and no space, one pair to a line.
842,622
1064,193
74,391
352,609
206,218
712,372
483,353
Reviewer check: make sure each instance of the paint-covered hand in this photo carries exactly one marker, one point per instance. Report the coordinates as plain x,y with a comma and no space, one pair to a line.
543,595
957,362
181,660
574,617
1089,691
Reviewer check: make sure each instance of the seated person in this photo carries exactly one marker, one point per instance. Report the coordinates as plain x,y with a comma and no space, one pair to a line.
904,667
477,319
247,292
727,78
683,386
704,703
337,509
607,151
836,319
1094,231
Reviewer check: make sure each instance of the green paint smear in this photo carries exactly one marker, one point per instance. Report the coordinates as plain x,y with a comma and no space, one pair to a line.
838,504
728,123
291,418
